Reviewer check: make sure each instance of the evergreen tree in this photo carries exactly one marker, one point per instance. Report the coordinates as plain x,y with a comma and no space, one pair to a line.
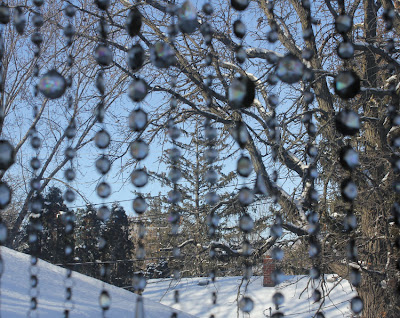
87,239
119,246
52,238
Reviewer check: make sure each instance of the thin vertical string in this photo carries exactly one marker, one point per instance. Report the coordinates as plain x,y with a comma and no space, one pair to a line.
174,132
394,116
139,148
241,83
68,218
310,203
347,121
6,149
36,201
210,133
104,57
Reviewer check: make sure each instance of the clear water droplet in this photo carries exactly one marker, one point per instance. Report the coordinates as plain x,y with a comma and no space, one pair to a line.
69,195
277,253
289,69
315,273
241,55
4,14
316,296
239,28
350,222
207,8
69,174
174,174
3,239
102,4
52,84
70,10
35,163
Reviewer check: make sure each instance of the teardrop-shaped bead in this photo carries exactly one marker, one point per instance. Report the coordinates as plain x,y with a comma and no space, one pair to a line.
19,20
5,195
133,22
162,55
7,155
241,92
187,17
136,57
240,5
105,300
103,55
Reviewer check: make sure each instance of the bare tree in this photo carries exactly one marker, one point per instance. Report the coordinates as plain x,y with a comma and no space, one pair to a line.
300,36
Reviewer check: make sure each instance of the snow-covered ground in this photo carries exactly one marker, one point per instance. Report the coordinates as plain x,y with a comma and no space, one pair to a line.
14,299
197,300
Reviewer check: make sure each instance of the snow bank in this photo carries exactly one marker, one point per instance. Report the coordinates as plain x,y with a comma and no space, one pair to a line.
196,299
15,293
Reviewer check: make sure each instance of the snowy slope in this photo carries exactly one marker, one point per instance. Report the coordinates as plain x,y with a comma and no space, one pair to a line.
15,290
196,299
